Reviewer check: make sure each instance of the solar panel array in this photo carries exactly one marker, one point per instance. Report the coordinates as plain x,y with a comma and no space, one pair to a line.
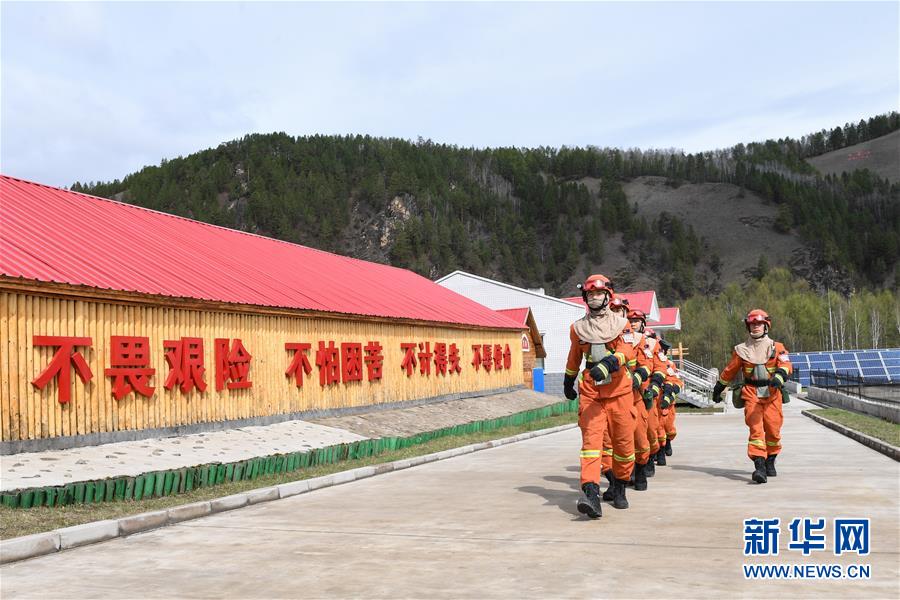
883,365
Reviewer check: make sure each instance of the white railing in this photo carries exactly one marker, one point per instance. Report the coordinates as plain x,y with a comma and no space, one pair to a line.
703,373
698,383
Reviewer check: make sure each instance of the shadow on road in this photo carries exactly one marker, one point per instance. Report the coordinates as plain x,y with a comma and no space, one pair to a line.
564,499
732,474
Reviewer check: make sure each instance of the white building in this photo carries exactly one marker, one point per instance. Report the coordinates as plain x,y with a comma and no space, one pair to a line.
553,315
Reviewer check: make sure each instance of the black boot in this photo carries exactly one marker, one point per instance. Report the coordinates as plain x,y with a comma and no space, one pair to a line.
619,501
770,466
650,467
590,504
610,492
661,457
640,477
668,447
759,474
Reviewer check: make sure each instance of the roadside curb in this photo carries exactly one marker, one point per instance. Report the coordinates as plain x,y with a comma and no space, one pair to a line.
866,440
39,544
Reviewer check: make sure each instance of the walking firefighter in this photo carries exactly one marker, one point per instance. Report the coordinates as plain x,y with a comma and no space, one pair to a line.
606,397
764,365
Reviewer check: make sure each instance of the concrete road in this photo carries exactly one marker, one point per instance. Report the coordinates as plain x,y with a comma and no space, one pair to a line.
502,524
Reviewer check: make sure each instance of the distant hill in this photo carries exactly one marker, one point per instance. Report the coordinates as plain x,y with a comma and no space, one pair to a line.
682,223
881,156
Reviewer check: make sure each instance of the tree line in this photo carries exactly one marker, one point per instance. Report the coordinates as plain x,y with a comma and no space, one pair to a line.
802,319
522,215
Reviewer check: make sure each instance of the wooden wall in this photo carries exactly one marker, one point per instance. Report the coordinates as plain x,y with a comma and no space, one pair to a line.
29,413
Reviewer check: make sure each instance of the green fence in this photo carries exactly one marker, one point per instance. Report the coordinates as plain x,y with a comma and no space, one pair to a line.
177,481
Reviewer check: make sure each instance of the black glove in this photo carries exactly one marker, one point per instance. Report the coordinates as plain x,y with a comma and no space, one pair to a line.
636,381
666,399
569,387
608,364
717,392
648,397
657,380
778,378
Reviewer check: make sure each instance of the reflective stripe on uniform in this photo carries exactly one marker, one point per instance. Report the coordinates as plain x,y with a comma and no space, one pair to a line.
773,443
607,451
590,454
570,372
642,450
757,443
628,458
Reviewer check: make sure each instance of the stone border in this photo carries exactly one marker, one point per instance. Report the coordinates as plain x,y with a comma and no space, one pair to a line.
39,544
111,437
866,440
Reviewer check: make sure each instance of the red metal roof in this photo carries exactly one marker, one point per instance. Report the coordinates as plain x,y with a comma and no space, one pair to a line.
668,317
639,300
519,315
54,235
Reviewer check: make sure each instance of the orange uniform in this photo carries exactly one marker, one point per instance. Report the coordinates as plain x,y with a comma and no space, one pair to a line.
603,406
641,367
667,415
655,433
762,415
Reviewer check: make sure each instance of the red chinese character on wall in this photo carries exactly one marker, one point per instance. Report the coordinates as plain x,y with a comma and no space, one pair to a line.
328,359
498,357
374,360
507,357
61,362
185,358
486,361
454,360
232,365
425,355
299,364
440,358
130,365
351,362
476,359
409,358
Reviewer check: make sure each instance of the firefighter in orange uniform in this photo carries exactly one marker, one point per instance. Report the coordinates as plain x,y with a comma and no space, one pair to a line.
671,389
765,366
641,368
654,388
605,390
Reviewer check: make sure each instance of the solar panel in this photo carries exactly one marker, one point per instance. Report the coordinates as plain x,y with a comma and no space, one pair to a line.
870,363
845,364
867,355
879,372
892,362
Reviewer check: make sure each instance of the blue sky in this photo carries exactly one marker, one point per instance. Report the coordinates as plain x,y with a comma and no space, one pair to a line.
96,91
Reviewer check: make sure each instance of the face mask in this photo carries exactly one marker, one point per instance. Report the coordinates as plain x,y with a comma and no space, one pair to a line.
596,302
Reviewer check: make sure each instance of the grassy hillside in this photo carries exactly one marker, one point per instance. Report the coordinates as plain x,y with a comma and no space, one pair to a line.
542,217
881,156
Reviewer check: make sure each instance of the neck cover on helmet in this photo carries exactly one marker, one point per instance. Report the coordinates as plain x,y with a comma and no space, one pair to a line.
756,350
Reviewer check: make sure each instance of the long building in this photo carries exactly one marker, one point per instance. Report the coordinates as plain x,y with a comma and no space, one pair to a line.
118,322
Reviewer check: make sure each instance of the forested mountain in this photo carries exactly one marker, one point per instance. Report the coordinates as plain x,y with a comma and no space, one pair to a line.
539,217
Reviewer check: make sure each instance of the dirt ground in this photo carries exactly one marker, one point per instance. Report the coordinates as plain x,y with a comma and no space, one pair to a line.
736,223
418,419
881,155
